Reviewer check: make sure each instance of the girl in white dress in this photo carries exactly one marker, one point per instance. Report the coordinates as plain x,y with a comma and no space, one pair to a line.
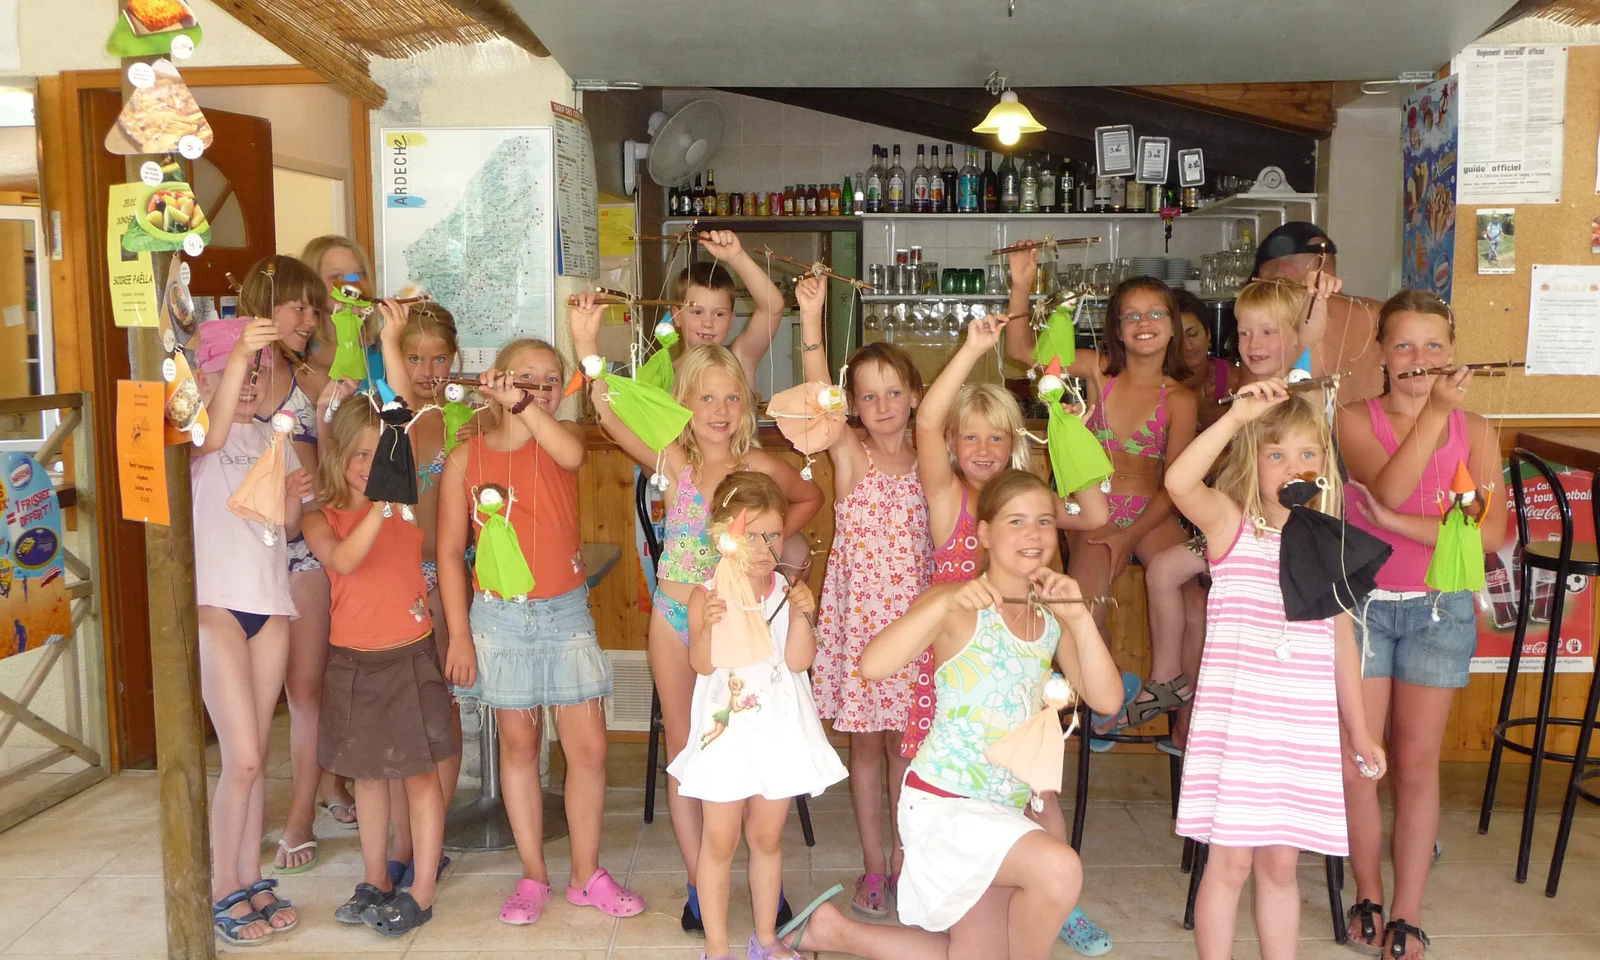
755,740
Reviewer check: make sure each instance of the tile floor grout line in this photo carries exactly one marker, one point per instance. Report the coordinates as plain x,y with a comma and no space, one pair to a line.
633,862
6,948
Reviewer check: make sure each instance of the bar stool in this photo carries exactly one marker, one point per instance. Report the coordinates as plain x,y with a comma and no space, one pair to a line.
1332,866
1587,767
1563,558
658,727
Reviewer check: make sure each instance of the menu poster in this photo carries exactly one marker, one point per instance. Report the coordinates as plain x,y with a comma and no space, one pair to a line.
1513,123
133,279
1564,320
577,196
141,452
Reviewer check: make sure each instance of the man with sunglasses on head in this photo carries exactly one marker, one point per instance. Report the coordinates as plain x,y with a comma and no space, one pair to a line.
1349,348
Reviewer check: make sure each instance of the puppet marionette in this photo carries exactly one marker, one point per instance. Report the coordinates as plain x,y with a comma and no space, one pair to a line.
1457,562
1302,369
657,370
500,565
646,409
1058,338
1325,566
393,478
349,357
1077,461
740,638
810,416
261,494
456,412
1033,751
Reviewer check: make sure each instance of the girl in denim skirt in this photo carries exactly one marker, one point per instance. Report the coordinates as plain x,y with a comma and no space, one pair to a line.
528,641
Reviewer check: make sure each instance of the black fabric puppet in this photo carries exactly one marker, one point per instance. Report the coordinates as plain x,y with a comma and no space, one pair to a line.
393,478
1325,566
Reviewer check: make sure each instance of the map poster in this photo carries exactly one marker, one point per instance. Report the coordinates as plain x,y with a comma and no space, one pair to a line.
1498,603
1428,152
577,196
34,606
469,216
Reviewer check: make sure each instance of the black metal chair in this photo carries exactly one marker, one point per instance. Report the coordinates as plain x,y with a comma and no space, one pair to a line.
1562,558
1333,866
658,727
1587,767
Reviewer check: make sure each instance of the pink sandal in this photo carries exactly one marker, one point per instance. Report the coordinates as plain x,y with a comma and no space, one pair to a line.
526,903
606,895
877,905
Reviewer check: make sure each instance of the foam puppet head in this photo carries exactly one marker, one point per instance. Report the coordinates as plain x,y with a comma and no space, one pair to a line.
456,413
1033,751
811,416
1302,369
657,370
1458,559
1058,339
260,494
349,358
646,409
741,637
1077,461
1325,566
393,478
500,565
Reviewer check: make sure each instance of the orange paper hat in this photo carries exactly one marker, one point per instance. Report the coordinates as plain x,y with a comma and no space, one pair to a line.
261,493
741,637
1033,751
1461,484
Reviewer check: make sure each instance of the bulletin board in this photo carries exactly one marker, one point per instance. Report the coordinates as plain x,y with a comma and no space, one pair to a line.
1492,309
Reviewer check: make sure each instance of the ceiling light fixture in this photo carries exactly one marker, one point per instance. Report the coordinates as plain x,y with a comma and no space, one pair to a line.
1008,119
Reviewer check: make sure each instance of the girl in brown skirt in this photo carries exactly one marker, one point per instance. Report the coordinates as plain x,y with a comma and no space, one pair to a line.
385,708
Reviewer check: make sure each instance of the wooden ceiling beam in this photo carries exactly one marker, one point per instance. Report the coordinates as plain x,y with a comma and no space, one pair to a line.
1305,108
344,66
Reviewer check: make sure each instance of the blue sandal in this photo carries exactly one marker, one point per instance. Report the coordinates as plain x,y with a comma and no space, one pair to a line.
1085,936
227,926
1131,686
801,920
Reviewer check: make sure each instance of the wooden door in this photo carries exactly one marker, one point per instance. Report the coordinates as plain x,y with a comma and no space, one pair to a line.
233,183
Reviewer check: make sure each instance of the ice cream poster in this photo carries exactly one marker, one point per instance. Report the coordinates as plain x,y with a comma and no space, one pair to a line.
34,606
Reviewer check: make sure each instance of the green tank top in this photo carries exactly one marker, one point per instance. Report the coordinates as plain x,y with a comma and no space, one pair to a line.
981,694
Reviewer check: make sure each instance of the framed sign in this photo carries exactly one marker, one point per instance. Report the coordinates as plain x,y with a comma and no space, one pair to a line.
1192,168
1154,153
1113,151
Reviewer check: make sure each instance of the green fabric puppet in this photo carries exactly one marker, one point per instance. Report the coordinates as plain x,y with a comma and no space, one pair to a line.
1077,461
1059,338
1457,562
349,357
456,414
646,409
501,567
657,370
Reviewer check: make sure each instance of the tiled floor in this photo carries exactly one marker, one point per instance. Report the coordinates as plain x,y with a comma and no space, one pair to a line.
84,878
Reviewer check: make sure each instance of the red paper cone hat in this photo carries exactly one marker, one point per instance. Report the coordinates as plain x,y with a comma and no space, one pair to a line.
1055,367
737,526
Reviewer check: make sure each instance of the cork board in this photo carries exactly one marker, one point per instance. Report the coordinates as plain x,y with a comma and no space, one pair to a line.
1492,310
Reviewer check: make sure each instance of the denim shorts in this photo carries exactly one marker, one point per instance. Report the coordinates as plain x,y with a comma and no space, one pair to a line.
1402,639
536,653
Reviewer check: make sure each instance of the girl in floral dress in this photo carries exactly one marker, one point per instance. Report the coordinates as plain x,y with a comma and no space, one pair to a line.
879,563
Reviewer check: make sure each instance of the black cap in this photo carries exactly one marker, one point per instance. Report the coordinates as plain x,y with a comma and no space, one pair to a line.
1296,236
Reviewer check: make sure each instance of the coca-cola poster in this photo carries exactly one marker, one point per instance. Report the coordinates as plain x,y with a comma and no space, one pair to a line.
1498,602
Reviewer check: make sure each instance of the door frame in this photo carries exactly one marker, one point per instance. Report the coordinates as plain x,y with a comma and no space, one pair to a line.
82,328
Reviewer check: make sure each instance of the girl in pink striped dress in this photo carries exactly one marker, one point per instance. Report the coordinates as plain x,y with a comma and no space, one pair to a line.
1263,776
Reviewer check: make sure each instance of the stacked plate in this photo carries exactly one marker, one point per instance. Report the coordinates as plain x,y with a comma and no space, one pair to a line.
1148,267
1177,271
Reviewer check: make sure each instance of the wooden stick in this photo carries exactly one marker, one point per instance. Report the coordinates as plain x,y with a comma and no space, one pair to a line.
1315,383
817,270
1048,243
609,299
1494,368
475,382
1108,601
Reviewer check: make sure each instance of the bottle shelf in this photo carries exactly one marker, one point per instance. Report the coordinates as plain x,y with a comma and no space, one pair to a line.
938,297
979,217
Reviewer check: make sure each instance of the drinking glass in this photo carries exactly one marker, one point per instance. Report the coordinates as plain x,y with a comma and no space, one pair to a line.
997,279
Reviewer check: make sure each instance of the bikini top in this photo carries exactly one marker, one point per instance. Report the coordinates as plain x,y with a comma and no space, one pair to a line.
299,404
1149,440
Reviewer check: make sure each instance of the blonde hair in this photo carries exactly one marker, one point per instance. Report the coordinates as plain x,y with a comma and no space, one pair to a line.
1285,302
696,363
494,413
995,404
429,319
1240,477
355,418
317,248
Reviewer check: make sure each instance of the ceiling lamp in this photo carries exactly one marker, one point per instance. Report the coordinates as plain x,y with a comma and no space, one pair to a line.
1008,119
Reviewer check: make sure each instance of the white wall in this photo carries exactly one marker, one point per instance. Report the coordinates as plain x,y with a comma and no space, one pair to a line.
57,35
1364,182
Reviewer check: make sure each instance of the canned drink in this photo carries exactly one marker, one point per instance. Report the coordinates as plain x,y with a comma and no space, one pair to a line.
736,205
723,205
749,204
774,204
764,205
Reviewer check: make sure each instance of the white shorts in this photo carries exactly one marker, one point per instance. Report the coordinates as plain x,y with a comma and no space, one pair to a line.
953,849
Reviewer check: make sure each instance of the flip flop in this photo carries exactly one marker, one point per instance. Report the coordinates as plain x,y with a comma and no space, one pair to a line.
877,905
350,824
289,851
1130,689
797,926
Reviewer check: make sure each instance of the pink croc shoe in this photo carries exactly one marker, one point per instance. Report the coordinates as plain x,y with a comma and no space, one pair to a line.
606,895
526,903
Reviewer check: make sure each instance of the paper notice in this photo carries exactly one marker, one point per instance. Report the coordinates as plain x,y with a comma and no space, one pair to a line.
1513,120
133,280
1564,320
577,196
141,456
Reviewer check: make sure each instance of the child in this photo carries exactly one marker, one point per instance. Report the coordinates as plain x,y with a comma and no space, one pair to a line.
981,879
1271,340
335,259
386,711
880,562
242,587
966,435
710,287
518,655
754,738
1262,773
719,440
1403,449
1210,378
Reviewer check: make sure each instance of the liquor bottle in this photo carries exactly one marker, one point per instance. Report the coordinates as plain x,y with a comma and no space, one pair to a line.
1089,190
710,202
895,200
1010,186
968,188
875,178
949,175
1066,187
919,182
835,200
697,198
936,183
858,202
1030,187
672,201
988,185
1119,194
1102,194
1136,197
1047,187
846,195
